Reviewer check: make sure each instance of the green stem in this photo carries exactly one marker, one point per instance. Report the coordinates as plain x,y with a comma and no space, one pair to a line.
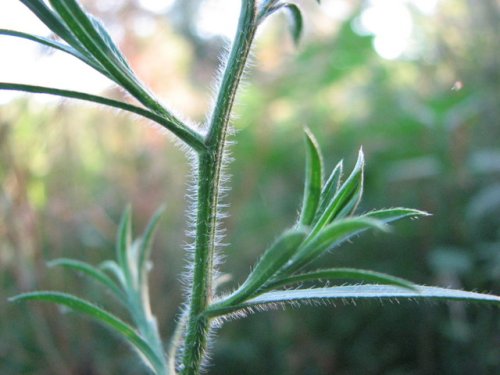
209,180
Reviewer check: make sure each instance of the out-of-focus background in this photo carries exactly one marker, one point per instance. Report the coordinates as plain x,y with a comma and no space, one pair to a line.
416,83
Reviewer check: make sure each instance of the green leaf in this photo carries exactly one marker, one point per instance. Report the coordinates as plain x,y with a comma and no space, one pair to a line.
313,180
56,45
348,293
346,198
53,22
123,244
102,316
113,267
331,236
188,135
296,19
329,189
99,44
392,214
146,245
342,273
271,261
90,271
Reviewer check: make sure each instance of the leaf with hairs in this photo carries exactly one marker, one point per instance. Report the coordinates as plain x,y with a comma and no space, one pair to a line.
271,261
188,135
331,236
145,246
342,273
389,215
346,198
352,293
90,271
102,316
313,180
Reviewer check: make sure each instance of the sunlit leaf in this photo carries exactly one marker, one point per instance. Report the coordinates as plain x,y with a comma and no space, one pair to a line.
87,308
271,261
353,293
342,273
313,180
90,271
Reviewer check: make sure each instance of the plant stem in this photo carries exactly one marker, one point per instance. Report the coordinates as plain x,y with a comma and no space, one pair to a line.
210,163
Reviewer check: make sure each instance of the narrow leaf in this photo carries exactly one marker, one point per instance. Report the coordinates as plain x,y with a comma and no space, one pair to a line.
342,273
99,44
146,245
188,135
296,21
271,261
58,46
113,268
52,21
102,316
354,293
313,180
90,271
329,189
392,214
331,236
347,197
123,244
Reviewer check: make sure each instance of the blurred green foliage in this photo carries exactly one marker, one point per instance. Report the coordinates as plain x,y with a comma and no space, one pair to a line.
429,127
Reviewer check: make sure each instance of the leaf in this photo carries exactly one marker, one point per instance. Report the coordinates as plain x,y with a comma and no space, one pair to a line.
90,271
329,189
297,23
313,180
123,244
354,293
188,135
389,215
146,245
342,273
346,198
331,236
102,316
114,268
56,45
271,261
97,42
52,21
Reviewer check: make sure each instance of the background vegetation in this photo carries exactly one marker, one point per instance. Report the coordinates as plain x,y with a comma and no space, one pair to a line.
428,122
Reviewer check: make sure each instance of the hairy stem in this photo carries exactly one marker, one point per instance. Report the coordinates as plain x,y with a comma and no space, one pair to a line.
209,183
